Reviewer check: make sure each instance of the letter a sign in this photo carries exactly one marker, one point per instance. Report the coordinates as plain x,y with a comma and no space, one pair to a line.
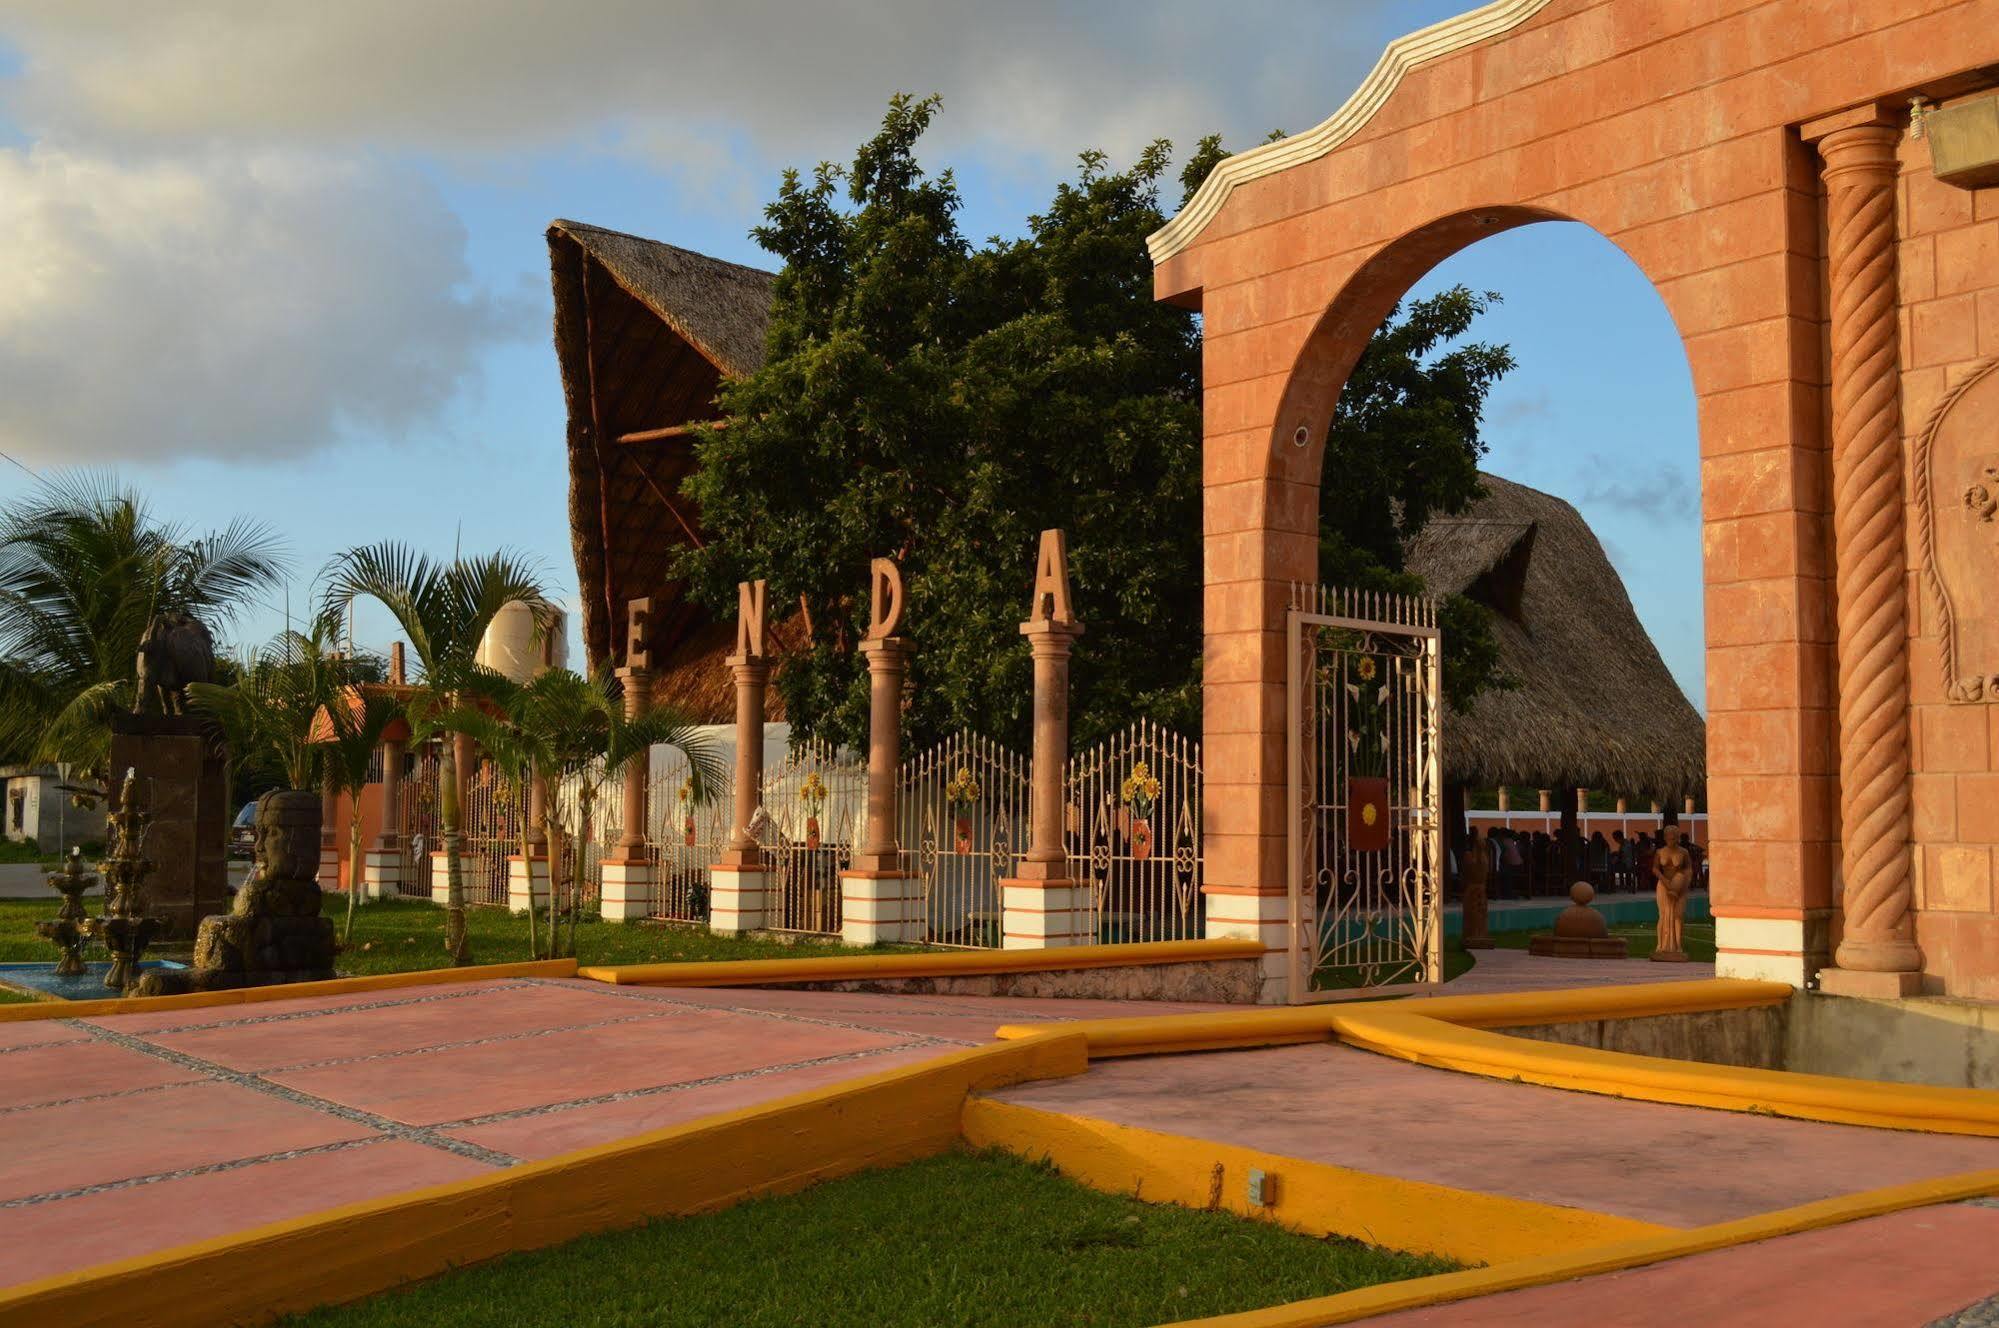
1051,583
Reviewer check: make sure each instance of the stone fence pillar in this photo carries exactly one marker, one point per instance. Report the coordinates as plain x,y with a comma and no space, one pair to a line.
1044,906
739,885
627,884
382,868
1877,954
877,902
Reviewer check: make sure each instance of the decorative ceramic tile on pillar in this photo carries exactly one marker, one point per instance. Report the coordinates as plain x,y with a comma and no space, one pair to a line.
439,877
1042,905
879,903
527,882
627,871
1877,954
739,883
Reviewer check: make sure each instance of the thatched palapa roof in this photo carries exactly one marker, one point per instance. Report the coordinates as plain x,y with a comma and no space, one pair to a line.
1596,706
645,333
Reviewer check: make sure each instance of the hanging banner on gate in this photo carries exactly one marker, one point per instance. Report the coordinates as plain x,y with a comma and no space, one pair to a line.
1367,813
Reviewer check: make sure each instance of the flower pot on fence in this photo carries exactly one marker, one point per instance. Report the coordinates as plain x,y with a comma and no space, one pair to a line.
1141,838
687,831
961,832
812,832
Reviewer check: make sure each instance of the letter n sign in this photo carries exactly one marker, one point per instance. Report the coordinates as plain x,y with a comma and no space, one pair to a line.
750,618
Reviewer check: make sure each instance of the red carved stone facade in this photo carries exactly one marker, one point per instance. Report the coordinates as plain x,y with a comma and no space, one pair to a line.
1680,132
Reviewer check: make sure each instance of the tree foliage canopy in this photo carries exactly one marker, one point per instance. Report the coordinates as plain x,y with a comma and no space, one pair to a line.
941,403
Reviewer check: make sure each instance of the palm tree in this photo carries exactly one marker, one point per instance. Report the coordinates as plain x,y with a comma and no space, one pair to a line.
84,566
357,720
565,728
267,713
444,610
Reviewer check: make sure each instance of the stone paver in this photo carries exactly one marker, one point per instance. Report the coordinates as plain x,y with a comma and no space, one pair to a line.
1679,1166
132,1133
1901,1270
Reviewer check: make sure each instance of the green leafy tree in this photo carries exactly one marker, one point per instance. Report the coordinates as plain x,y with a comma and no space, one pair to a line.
444,610
941,403
84,566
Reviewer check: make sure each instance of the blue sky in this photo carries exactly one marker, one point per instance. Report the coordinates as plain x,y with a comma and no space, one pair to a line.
284,260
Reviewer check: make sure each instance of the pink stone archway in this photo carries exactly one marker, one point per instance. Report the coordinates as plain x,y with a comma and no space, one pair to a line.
1685,134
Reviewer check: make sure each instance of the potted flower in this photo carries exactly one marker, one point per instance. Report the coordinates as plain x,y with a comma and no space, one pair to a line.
813,794
1140,791
961,793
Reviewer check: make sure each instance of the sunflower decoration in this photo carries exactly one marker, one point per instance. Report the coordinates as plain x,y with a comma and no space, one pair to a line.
963,789
1139,792
812,792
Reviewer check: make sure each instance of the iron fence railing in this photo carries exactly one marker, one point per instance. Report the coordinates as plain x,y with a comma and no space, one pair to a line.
1134,833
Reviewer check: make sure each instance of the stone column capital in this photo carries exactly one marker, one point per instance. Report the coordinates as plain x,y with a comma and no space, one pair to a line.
749,668
886,652
1046,636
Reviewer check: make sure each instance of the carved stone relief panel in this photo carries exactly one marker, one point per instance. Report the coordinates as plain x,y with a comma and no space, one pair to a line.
1957,496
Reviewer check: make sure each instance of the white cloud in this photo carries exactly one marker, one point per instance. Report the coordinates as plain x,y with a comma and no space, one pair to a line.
225,305
800,79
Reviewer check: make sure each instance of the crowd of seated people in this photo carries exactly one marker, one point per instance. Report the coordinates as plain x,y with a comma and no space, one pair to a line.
1529,864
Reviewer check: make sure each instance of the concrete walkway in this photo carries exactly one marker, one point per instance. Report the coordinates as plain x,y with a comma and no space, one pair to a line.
132,1133
1902,1270
1676,1166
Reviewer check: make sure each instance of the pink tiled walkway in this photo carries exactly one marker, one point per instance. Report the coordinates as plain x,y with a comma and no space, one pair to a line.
132,1133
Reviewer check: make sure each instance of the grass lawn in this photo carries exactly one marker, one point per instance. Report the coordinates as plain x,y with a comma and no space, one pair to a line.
396,935
1698,940
399,935
966,1238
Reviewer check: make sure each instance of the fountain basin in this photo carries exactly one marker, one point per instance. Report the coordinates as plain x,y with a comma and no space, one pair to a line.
42,981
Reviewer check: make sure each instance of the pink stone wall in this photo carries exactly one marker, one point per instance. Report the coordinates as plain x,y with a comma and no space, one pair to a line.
1672,129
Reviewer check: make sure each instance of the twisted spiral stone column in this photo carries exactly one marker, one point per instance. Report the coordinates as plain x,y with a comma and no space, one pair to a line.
1868,526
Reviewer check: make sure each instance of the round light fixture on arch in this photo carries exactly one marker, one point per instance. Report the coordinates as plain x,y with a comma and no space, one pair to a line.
1301,436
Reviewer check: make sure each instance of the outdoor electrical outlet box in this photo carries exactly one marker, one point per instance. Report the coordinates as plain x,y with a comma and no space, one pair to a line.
1262,1188
1964,143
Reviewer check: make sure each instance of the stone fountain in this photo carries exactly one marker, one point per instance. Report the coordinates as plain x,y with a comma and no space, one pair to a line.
70,927
126,928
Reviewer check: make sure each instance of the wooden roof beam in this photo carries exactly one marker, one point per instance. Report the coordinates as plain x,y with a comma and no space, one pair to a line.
670,432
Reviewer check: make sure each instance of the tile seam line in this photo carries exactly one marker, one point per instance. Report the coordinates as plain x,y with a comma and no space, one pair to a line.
661,1090
188,1173
283,1016
312,1102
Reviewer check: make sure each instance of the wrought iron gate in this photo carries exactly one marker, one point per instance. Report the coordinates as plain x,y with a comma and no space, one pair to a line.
815,806
686,835
1365,791
1133,824
963,808
422,834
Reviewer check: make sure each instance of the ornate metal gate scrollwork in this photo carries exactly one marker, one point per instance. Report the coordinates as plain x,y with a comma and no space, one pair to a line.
816,806
1134,830
963,812
1364,791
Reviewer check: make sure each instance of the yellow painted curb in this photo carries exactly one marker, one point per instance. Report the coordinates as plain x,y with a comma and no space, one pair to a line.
1367,1302
1447,1032
920,964
1145,1035
201,1000
347,1253
1413,1036
1313,1197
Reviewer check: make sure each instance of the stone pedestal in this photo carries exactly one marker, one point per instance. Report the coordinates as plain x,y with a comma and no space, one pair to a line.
382,873
737,899
1879,986
627,889
881,908
1041,915
180,779
527,883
